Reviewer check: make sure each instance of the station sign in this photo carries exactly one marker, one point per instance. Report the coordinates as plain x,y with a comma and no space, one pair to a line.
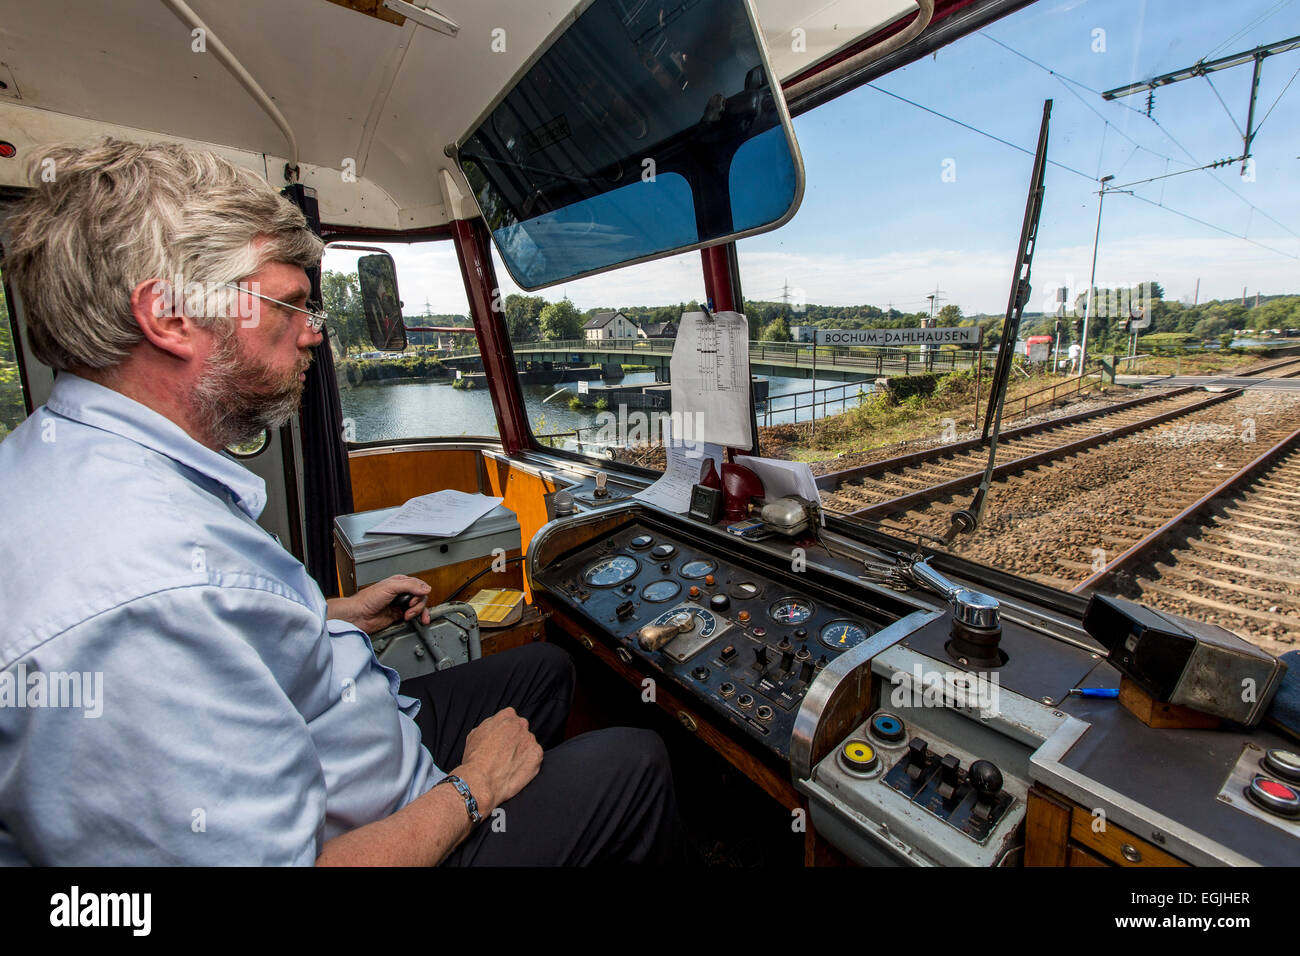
963,336
583,387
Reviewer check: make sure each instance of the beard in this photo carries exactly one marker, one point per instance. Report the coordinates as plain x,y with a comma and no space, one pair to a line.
236,398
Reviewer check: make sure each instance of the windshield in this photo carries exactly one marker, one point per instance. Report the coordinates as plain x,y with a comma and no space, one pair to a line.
917,188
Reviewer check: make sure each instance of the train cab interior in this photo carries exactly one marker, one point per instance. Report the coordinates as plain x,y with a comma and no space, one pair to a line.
832,692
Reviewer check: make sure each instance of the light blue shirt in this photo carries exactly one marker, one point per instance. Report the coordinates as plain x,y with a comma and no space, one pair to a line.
207,712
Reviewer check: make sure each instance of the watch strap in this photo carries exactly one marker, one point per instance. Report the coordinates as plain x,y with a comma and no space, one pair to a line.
471,805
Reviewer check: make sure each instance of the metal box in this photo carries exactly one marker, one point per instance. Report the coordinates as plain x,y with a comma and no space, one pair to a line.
365,558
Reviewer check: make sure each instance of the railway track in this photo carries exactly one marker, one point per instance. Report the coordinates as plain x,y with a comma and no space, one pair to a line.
1229,557
872,492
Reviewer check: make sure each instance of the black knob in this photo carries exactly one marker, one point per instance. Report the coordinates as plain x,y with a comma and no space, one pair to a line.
787,662
700,673
785,644
801,633
402,602
728,652
665,567
985,777
806,672
760,656
624,610
629,588
719,602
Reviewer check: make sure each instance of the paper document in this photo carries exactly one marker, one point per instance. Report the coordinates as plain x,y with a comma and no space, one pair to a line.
686,463
710,379
442,514
782,478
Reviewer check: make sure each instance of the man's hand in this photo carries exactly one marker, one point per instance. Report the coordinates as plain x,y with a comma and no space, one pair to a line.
370,608
501,757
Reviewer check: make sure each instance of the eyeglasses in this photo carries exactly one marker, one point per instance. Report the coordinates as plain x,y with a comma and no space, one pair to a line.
315,320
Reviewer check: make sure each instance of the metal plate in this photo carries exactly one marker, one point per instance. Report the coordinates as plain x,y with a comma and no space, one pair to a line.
1233,791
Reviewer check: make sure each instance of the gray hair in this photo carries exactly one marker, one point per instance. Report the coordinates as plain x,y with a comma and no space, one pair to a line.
106,217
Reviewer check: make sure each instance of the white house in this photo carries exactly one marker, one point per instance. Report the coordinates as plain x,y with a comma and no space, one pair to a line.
609,325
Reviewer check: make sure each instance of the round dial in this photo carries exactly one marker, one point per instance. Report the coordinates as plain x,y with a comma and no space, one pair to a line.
642,541
841,635
745,590
660,591
611,571
698,569
663,551
705,622
791,610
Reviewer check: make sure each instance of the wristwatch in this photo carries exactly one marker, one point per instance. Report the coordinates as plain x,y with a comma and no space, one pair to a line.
471,805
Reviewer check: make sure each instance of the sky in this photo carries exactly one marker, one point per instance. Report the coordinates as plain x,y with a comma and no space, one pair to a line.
900,203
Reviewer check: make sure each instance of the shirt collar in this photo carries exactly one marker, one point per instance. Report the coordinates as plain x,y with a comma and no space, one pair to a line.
111,411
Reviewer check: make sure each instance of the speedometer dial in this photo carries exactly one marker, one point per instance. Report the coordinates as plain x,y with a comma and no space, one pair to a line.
841,635
611,571
791,610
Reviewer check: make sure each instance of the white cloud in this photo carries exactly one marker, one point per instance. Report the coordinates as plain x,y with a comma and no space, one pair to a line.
978,281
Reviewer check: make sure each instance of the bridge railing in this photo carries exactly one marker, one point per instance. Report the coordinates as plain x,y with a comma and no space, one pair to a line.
880,360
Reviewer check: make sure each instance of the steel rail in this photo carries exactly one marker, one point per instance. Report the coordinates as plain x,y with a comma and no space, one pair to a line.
952,486
1147,545
836,479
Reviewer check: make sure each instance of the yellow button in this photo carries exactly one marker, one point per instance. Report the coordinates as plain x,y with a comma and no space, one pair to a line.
859,752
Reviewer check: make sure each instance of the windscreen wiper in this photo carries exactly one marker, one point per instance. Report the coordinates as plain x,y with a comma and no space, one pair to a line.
967,520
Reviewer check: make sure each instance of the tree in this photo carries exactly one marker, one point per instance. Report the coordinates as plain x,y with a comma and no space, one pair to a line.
522,316
560,320
949,316
341,295
778,330
12,409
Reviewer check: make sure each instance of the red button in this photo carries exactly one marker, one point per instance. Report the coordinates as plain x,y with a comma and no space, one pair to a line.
1275,789
7,150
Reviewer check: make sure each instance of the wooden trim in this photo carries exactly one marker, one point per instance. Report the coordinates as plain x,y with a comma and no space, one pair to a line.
392,478
1112,842
1081,857
1047,828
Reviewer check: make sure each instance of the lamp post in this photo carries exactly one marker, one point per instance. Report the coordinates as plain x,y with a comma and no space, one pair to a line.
1087,309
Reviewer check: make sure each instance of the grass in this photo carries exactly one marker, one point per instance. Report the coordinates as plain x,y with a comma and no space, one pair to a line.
880,420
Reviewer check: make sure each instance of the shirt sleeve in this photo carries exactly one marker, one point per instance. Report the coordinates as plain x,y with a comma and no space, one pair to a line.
187,742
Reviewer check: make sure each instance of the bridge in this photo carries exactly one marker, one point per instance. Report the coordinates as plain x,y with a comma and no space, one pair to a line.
779,359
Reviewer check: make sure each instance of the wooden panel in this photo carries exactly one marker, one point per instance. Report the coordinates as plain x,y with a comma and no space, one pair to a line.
529,630
394,477
1113,841
1081,857
1047,828
778,787
1159,715
523,493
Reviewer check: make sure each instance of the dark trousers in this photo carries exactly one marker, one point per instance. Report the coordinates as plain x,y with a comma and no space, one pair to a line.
602,797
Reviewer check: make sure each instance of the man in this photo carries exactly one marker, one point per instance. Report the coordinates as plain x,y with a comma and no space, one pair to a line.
173,686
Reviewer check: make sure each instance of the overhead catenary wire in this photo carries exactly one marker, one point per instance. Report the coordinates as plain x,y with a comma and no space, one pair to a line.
1083,175
1195,163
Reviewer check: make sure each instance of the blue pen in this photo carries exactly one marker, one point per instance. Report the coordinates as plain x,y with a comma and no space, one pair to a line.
1108,692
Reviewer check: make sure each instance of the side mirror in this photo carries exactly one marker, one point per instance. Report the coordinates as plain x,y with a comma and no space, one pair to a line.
380,303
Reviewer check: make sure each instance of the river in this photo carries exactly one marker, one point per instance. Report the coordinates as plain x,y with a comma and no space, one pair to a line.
382,411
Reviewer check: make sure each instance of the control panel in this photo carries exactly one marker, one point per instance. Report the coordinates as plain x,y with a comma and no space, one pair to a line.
900,791
729,631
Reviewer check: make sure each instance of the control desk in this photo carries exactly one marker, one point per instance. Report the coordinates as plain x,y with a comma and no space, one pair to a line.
916,733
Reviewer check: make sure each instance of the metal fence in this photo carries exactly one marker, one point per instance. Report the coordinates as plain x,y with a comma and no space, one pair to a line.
868,359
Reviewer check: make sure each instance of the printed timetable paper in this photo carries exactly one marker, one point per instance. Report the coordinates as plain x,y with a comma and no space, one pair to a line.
442,514
710,378
682,472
